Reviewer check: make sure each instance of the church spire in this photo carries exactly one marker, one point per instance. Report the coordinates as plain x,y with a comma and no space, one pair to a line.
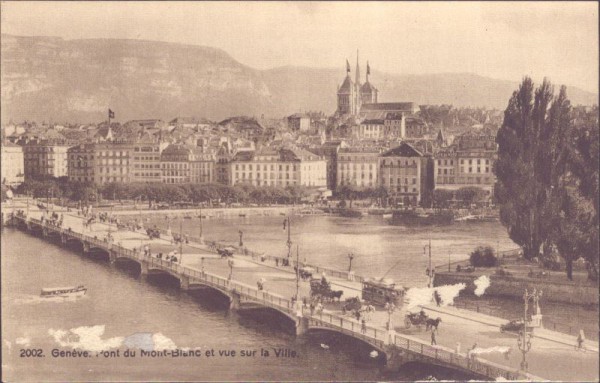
368,71
357,80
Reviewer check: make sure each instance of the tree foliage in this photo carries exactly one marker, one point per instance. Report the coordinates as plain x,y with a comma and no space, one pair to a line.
547,172
531,146
483,256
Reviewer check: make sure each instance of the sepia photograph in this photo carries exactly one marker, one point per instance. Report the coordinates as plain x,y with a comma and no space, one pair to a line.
299,191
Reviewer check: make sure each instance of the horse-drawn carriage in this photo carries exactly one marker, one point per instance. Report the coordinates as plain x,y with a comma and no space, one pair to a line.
225,252
153,233
305,272
351,305
321,287
419,319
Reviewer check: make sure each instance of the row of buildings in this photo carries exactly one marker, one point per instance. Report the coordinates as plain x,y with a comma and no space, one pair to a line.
407,171
364,144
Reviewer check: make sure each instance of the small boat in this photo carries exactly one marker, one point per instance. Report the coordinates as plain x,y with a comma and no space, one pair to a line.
242,214
387,215
64,292
187,217
350,213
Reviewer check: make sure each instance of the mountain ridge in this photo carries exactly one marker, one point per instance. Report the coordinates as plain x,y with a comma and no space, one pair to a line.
47,78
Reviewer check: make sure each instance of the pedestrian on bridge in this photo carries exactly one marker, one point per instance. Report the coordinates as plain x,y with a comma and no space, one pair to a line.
363,326
433,340
580,340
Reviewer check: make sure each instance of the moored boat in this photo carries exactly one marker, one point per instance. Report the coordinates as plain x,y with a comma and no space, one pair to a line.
413,217
64,292
351,213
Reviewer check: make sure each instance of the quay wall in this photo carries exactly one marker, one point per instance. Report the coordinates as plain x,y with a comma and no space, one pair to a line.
515,287
213,212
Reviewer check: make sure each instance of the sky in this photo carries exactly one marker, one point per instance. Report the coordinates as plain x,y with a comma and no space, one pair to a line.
503,40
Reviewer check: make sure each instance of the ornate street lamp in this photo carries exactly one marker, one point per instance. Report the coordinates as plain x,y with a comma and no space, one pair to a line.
390,307
429,272
241,233
524,339
350,258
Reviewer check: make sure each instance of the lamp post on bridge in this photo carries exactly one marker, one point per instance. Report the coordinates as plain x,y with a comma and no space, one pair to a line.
287,223
241,233
350,258
524,339
390,307
429,271
230,264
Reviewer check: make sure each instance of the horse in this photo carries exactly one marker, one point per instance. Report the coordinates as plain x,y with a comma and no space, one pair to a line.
432,323
336,294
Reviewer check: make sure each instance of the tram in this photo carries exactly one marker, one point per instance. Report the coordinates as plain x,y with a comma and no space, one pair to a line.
382,291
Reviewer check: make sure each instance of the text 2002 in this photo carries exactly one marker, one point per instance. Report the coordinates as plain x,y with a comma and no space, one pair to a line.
32,353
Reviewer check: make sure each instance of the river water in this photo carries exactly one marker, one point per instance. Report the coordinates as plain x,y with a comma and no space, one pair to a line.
120,305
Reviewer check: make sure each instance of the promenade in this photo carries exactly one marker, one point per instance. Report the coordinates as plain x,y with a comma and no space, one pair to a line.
552,356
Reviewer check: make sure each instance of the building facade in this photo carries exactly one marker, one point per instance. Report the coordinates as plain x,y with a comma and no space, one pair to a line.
81,163
403,172
299,122
370,130
45,158
394,125
112,161
176,164
358,167
12,164
203,166
279,167
145,160
455,169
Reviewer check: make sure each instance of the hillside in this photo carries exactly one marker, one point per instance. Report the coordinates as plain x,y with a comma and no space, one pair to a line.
51,79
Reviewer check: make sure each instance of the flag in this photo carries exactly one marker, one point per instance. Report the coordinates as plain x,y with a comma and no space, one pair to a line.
347,66
368,69
111,114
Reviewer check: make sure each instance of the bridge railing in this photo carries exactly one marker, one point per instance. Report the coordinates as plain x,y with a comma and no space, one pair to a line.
444,354
247,292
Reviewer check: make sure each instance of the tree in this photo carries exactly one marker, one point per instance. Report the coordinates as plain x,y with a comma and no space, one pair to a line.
442,198
578,206
470,194
483,256
526,175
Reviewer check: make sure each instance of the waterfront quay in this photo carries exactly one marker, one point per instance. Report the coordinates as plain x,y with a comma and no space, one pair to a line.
199,267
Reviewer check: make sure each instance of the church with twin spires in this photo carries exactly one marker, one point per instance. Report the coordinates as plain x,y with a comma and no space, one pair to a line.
351,94
359,100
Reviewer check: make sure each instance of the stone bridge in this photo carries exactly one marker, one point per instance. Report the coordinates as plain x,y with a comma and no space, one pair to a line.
398,349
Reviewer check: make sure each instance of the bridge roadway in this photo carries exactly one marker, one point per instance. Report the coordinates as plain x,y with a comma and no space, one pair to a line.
547,358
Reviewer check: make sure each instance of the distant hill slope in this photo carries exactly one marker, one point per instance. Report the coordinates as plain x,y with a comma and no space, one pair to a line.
51,79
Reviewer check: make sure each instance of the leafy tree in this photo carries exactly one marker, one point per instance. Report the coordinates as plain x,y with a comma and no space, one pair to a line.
470,194
483,256
526,175
442,198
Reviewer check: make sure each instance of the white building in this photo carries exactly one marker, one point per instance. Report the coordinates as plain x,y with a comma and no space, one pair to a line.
12,164
282,167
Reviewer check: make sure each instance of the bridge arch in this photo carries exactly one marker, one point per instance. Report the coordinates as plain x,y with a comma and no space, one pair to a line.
99,253
347,336
74,244
257,307
127,263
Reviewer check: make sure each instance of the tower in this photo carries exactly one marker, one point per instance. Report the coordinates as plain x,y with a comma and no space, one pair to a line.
368,93
352,95
347,94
